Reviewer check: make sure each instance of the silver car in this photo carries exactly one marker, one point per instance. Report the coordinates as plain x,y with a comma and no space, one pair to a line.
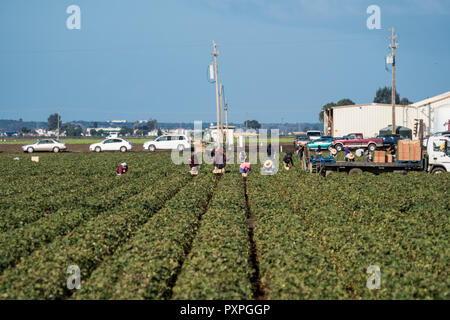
52,145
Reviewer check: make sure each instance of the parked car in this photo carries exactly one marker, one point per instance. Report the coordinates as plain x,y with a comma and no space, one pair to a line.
114,144
168,142
324,143
53,145
301,139
388,139
356,141
314,134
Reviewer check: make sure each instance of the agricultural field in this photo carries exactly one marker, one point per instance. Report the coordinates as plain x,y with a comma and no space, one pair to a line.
158,233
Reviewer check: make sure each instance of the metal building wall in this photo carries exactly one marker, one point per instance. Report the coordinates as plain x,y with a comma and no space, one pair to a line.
370,118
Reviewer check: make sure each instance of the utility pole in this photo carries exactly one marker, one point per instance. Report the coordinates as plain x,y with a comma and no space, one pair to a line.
226,111
57,130
393,46
221,107
216,54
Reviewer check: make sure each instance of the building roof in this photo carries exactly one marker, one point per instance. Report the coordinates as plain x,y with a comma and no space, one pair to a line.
432,100
370,105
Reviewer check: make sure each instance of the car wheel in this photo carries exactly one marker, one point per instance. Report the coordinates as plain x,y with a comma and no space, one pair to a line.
339,147
30,150
438,171
372,147
123,149
98,149
180,147
330,148
55,149
355,171
151,148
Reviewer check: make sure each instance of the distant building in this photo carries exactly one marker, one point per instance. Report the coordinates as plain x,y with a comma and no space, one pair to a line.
214,134
108,131
369,119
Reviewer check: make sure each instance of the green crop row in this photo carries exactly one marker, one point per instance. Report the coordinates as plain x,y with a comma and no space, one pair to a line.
144,268
291,266
41,275
385,221
19,242
218,265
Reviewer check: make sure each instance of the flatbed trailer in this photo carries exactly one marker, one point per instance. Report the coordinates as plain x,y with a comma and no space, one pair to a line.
359,167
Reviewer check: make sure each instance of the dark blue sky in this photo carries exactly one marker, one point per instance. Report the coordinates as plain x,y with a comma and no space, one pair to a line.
142,59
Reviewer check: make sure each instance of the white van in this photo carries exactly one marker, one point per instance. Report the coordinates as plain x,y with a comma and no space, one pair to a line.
168,142
314,134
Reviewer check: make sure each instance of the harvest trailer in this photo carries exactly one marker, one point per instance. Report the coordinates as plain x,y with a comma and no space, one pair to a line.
435,160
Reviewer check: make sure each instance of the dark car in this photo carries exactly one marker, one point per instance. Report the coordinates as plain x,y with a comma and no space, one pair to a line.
389,139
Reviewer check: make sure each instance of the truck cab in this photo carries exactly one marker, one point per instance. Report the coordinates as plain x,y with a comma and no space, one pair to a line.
438,154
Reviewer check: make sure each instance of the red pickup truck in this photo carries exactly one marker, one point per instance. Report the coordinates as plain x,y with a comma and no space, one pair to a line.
356,141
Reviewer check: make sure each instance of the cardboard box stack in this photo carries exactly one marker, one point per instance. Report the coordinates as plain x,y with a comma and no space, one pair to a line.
409,150
379,157
389,158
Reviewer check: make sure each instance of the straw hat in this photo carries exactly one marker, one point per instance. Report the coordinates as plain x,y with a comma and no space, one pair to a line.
359,152
268,164
351,156
333,152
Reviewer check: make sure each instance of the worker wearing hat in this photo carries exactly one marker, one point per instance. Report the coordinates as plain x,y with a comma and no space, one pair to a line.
122,169
267,168
350,157
245,168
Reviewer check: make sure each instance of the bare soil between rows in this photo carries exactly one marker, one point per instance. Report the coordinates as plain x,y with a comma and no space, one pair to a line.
84,148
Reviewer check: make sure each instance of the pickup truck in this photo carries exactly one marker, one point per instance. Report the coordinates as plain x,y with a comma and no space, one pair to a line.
356,141
435,160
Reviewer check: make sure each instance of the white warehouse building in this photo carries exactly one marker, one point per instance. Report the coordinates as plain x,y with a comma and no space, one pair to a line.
369,119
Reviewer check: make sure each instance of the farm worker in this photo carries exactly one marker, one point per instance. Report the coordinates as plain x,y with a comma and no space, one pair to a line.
333,153
242,156
245,168
392,149
287,160
350,157
219,161
319,151
300,151
267,167
347,152
123,168
194,165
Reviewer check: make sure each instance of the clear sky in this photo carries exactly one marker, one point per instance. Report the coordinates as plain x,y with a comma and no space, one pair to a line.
279,60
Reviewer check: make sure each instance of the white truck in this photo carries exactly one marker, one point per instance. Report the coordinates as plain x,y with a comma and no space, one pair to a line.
435,160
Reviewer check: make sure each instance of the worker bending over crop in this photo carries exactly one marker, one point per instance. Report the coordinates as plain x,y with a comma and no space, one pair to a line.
245,168
319,151
194,165
219,161
122,169
287,160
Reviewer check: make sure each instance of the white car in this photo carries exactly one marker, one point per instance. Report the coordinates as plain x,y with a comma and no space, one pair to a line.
314,134
45,145
168,142
113,144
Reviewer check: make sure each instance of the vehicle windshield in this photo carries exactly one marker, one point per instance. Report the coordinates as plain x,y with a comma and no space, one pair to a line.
303,137
56,140
314,134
